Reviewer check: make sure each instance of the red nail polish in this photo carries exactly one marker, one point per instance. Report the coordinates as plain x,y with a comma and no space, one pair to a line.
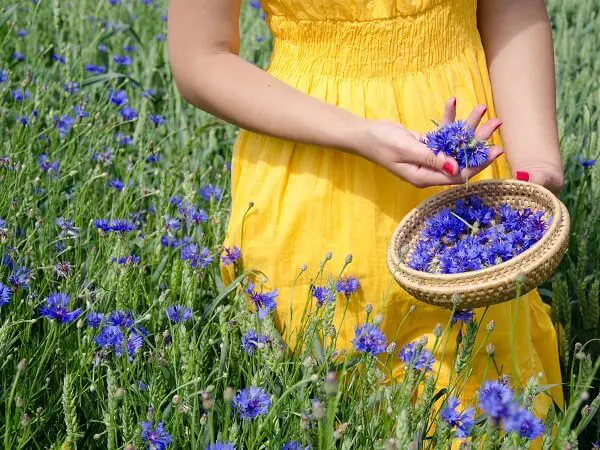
448,168
453,101
523,176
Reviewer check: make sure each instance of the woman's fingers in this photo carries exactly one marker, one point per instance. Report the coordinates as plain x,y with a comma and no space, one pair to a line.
493,153
419,154
449,111
476,116
422,177
485,131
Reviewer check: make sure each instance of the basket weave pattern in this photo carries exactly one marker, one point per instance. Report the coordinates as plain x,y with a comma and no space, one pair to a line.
494,284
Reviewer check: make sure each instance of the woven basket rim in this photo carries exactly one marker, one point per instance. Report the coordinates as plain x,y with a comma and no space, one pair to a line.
393,250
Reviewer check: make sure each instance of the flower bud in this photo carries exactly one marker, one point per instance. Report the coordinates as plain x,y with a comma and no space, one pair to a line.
586,410
521,278
129,447
19,402
491,325
22,365
331,384
490,349
391,348
348,259
412,309
423,340
314,378
437,331
318,411
120,392
25,419
328,256
303,268
304,422
176,399
204,419
228,394
207,400
369,308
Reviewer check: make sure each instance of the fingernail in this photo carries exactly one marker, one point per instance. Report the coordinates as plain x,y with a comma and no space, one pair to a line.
448,168
523,176
453,101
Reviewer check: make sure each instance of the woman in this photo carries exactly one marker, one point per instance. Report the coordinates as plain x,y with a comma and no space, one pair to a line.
330,154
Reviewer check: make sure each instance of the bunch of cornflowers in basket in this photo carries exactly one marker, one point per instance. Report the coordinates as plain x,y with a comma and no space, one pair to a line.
471,235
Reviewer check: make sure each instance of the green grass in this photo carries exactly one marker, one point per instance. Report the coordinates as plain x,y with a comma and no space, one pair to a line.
59,390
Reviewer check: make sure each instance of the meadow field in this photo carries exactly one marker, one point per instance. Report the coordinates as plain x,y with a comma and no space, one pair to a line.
116,331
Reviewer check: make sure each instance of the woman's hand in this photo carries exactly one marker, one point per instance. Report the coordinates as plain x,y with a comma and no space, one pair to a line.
401,152
552,178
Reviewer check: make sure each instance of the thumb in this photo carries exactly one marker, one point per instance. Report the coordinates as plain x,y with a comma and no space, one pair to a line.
424,156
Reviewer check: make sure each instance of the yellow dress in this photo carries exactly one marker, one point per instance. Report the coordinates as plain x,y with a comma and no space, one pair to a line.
388,59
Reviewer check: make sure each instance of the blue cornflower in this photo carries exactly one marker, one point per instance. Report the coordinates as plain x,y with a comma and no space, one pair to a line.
230,255
264,302
71,87
255,4
416,357
457,140
462,421
422,255
121,226
133,345
56,309
121,319
114,2
122,60
95,69
251,341
94,319
22,33
157,438
128,113
67,228
117,185
102,225
369,339
128,260
23,120
196,260
252,402
64,125
495,399
46,166
208,192
178,313
524,423
156,120
80,112
123,140
176,200
462,315
172,224
58,58
110,338
5,294
347,286
153,158
190,214
498,251
142,386
129,48
322,295
118,98
587,163
294,445
149,92
220,446
19,95
102,48
3,75
18,56
20,278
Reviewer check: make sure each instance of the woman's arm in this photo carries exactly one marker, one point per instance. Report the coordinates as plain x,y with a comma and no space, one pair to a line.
203,39
517,38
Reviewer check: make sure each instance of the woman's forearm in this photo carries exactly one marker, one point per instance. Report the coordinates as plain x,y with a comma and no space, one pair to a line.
230,88
517,39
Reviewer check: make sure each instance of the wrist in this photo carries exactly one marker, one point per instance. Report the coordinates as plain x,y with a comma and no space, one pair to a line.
354,135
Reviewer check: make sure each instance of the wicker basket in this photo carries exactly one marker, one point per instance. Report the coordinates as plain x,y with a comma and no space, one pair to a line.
491,285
